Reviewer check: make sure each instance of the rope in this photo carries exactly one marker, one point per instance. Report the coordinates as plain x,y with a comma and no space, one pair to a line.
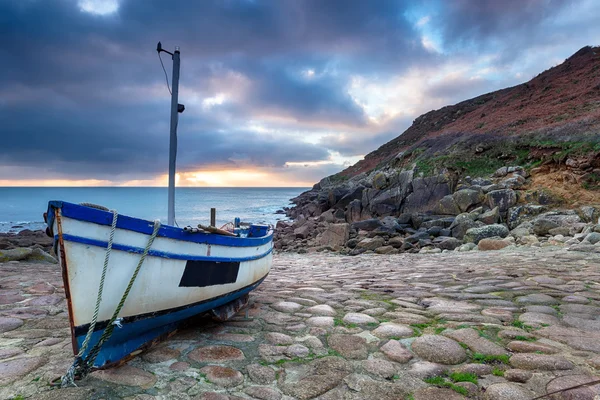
81,367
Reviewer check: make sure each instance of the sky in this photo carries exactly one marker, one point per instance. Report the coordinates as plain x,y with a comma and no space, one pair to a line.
277,93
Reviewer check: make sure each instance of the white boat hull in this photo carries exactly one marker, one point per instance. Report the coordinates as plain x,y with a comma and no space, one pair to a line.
184,274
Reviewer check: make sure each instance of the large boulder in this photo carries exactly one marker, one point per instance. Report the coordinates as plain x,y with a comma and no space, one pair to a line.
462,223
370,243
517,215
467,198
367,225
542,226
447,206
474,235
379,181
449,243
490,217
18,254
335,235
352,195
353,211
503,199
427,192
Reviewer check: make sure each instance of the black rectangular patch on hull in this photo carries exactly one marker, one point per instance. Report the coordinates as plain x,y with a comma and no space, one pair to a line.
209,273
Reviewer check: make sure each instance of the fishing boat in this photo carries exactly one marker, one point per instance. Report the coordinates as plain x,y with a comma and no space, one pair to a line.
129,282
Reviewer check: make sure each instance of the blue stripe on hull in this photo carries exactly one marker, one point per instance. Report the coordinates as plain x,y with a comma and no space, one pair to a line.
157,253
133,335
101,217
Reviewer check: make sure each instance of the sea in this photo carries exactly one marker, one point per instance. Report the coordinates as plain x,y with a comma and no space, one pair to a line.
23,207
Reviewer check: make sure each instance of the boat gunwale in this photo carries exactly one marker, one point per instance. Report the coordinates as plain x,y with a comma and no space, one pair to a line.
159,253
102,217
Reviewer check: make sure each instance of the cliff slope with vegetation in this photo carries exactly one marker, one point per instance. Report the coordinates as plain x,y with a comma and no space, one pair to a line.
500,162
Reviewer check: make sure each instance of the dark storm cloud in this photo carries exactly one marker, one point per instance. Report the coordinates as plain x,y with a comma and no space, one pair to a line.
83,95
73,82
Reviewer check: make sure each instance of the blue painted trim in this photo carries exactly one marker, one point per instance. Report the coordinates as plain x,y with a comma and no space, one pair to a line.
158,253
101,217
134,334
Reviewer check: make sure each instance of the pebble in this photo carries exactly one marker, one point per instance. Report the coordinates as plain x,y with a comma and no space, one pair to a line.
349,346
322,309
540,362
518,375
127,375
222,376
260,374
320,322
395,351
216,353
439,349
9,324
360,319
504,391
389,330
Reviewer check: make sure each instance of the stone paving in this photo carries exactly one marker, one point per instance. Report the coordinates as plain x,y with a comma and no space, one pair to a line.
493,325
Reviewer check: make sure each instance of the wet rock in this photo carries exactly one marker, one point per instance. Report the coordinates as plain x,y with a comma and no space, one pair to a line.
222,376
540,361
395,351
349,346
439,349
127,375
216,354
504,391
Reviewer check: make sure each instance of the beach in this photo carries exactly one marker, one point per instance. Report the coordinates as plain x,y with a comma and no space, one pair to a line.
509,324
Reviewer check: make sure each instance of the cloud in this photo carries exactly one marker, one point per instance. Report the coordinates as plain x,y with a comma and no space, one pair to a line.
265,83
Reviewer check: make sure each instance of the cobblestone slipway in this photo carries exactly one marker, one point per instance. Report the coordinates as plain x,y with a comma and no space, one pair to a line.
496,325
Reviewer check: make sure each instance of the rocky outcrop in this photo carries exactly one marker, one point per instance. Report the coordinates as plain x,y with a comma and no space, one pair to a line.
391,211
